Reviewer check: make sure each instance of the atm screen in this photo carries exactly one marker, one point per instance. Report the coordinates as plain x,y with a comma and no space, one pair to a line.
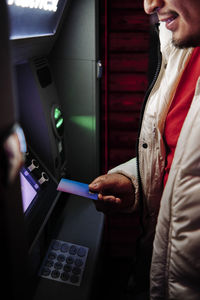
32,18
38,194
29,190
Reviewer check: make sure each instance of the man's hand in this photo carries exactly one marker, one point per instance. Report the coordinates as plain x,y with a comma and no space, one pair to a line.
115,192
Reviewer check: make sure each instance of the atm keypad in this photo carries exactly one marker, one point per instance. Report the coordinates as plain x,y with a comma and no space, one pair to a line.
64,262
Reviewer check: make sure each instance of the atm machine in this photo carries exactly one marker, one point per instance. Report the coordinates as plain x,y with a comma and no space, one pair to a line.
54,46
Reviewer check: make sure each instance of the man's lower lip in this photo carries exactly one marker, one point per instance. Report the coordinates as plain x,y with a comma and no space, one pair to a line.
171,25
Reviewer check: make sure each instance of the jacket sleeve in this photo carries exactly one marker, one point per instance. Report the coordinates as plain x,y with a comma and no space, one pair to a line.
129,169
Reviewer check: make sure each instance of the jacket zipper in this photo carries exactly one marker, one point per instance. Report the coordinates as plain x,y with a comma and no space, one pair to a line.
158,68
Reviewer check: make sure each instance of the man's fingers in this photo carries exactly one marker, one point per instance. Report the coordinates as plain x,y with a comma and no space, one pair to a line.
108,198
97,184
107,204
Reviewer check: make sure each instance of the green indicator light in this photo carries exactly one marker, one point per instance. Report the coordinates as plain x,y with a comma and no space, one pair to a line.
57,113
87,122
59,123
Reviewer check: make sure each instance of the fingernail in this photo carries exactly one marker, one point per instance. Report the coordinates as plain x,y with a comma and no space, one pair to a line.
94,185
100,197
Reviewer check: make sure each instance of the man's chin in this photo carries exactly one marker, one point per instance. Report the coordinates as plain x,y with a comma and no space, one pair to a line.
187,43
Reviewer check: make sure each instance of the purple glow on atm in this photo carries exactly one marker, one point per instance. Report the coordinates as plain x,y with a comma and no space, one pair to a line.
29,189
28,192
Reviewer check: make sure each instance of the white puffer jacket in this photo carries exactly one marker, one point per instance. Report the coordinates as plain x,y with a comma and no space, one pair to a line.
175,267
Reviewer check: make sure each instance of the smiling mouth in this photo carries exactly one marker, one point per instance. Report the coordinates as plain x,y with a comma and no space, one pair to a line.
169,20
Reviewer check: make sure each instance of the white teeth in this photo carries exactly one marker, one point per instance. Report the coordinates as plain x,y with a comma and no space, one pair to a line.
170,20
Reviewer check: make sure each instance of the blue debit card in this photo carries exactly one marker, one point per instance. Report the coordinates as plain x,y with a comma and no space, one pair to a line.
76,188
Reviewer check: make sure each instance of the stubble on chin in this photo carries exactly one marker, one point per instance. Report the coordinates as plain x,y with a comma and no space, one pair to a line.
191,42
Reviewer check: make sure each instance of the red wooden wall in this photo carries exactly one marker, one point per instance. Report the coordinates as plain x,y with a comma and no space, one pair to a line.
124,51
